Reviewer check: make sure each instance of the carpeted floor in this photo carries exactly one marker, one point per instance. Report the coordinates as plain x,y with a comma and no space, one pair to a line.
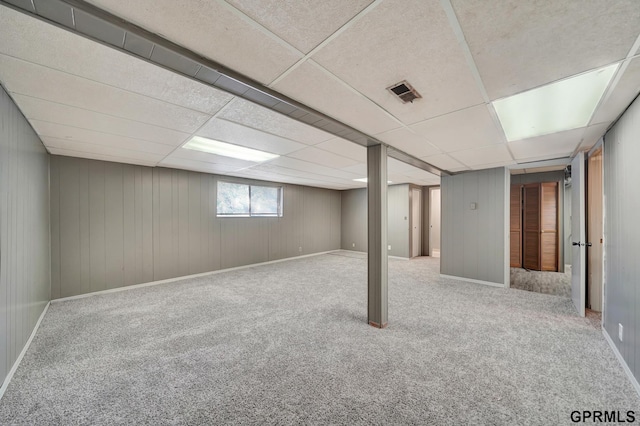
555,283
288,343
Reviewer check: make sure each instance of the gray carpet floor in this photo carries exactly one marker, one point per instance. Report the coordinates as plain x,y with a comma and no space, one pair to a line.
555,283
288,343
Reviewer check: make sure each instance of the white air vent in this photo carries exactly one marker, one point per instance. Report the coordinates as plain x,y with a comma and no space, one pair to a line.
404,91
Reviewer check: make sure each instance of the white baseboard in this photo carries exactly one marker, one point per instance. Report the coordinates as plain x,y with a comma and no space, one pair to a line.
7,380
170,280
435,253
625,367
489,283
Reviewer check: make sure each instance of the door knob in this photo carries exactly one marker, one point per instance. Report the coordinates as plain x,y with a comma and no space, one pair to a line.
575,243
589,244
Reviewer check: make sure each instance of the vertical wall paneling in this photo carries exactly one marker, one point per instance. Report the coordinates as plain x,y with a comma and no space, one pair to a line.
354,220
84,227
133,224
97,228
475,224
129,237
622,235
54,212
25,213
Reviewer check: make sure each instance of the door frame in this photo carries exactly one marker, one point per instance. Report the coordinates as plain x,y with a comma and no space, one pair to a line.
599,146
415,221
431,189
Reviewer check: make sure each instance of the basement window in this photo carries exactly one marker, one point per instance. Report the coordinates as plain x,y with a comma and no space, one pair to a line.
242,200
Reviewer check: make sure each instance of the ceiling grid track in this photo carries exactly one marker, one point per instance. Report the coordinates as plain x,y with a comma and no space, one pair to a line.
91,22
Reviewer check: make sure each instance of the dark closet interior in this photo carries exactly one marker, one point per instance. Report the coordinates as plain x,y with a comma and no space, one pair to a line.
534,226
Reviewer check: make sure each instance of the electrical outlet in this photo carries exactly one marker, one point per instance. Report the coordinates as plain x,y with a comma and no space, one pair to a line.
389,246
620,330
300,249
353,244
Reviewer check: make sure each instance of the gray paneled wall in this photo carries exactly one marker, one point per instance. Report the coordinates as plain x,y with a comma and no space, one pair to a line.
622,235
24,232
114,225
354,220
557,176
473,241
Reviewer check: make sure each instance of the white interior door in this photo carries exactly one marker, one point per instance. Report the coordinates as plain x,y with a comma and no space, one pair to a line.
416,222
434,222
578,237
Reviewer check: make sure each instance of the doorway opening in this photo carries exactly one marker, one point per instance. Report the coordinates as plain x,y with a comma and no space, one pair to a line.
537,231
416,222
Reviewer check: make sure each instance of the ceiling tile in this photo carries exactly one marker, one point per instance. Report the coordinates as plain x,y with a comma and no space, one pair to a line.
244,112
494,165
44,83
101,157
197,166
315,87
623,94
303,24
226,131
213,29
513,53
305,166
37,109
409,141
465,129
491,154
279,178
285,171
404,40
31,40
324,158
358,170
81,148
205,157
398,166
548,146
592,134
443,162
89,137
345,148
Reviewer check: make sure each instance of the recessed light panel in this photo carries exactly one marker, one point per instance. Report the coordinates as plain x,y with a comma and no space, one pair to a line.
365,180
198,143
563,105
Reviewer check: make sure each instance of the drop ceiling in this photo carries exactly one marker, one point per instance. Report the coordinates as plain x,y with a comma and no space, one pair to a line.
86,99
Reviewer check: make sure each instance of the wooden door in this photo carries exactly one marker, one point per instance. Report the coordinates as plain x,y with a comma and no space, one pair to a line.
515,236
531,226
549,226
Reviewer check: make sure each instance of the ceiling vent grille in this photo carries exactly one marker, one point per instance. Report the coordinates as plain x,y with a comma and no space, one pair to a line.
404,91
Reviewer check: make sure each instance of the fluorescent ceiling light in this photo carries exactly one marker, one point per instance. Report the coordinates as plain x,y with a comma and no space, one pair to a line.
198,143
563,105
365,180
